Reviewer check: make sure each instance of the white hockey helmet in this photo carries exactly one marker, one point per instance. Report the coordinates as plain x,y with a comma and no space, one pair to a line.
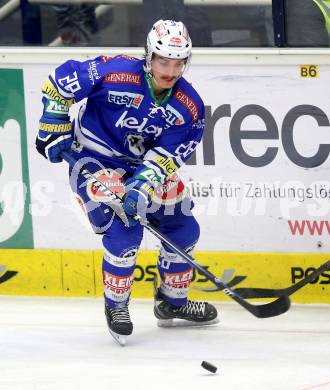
169,39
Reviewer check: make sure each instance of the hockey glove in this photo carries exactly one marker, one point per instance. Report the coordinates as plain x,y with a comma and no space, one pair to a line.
137,199
55,135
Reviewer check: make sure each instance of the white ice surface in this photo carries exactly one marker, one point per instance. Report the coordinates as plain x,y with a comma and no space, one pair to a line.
63,344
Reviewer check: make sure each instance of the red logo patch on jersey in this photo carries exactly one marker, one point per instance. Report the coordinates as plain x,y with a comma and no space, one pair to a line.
123,78
112,179
188,103
171,192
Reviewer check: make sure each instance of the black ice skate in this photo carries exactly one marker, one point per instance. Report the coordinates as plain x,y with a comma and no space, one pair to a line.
193,313
119,323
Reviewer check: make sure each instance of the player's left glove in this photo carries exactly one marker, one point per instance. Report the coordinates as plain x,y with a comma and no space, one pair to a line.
137,199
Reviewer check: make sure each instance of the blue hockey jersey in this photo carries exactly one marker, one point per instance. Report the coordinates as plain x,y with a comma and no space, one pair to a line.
122,119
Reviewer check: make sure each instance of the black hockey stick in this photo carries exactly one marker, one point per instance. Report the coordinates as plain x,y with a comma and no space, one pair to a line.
271,309
250,292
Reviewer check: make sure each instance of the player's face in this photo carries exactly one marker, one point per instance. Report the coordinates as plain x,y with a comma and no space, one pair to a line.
166,71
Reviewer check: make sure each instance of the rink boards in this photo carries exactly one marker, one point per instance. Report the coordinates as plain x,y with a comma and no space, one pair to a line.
78,273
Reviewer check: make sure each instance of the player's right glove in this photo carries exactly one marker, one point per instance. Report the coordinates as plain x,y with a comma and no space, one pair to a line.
137,199
54,136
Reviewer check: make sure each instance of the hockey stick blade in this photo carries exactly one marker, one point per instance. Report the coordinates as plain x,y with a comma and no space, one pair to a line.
271,309
250,292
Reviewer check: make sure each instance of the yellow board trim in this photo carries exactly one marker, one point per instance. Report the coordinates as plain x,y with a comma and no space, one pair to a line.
78,273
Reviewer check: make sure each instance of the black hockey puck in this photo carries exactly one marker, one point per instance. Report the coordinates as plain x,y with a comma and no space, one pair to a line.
209,367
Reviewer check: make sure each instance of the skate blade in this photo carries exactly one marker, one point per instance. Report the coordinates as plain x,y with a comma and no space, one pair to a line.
121,340
178,322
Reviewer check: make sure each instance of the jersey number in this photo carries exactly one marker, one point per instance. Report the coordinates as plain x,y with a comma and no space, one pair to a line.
70,84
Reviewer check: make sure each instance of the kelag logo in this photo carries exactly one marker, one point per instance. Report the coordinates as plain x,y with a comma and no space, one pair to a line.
6,275
15,219
270,131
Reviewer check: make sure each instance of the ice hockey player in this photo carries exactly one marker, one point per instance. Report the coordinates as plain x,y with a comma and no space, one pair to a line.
140,122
